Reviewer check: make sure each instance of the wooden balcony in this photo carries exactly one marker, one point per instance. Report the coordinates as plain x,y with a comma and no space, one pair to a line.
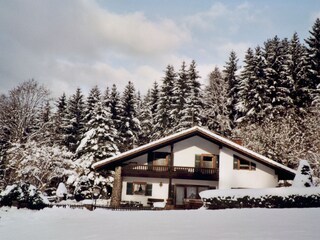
175,172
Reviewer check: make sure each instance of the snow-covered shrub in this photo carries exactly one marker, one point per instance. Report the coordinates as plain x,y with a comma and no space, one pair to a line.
303,177
23,194
286,197
62,191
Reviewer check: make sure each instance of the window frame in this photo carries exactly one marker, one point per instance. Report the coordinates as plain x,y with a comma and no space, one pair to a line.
237,166
146,192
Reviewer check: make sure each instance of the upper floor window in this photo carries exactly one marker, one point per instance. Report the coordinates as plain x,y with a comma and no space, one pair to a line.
206,161
242,164
158,158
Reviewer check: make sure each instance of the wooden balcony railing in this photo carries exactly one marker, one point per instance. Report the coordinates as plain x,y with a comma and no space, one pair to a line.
175,172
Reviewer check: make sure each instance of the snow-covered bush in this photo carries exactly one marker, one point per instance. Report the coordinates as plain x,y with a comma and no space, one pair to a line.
303,177
286,197
62,191
23,194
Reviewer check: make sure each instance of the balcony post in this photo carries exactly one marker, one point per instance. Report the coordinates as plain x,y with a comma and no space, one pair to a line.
170,193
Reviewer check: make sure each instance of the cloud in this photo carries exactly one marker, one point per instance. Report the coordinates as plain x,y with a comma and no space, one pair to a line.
68,43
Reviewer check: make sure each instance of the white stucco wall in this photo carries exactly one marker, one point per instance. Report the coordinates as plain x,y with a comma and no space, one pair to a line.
262,177
159,192
185,151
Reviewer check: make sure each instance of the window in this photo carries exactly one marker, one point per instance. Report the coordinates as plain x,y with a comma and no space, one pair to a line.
206,161
242,164
139,188
158,158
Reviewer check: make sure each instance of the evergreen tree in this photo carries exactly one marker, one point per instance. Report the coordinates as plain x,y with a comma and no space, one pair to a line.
154,100
98,142
59,118
180,93
106,98
115,108
191,113
146,119
130,128
74,122
164,120
296,67
230,75
215,104
313,58
279,86
92,101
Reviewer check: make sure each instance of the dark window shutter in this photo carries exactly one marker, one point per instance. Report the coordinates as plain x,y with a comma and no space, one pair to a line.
197,161
149,190
150,158
129,188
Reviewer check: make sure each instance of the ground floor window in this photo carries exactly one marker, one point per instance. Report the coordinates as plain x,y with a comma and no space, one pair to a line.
139,188
183,192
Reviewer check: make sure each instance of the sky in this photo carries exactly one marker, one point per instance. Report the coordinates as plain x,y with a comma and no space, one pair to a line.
80,43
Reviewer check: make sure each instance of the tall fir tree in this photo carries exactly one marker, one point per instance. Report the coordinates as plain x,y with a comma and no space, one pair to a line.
130,127
297,72
59,118
146,119
74,121
215,104
115,109
164,120
92,100
279,86
231,77
191,112
154,100
313,58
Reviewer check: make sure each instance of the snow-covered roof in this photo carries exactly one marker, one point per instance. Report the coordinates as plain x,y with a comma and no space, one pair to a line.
193,131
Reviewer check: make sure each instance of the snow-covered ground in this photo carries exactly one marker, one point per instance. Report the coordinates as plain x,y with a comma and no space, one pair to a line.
78,224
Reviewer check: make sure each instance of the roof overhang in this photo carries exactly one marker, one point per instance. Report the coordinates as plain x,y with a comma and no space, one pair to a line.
111,162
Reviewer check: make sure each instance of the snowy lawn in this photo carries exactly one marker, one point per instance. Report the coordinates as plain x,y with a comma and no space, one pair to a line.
69,224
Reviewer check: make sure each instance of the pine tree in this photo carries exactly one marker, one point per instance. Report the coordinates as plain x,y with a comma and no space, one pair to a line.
313,58
106,98
215,104
130,128
230,75
164,120
74,121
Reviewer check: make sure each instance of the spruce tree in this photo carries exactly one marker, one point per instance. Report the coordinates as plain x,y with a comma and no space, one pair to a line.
146,119
74,121
92,101
215,104
164,120
115,108
154,99
230,75
279,86
59,118
313,58
130,127
296,67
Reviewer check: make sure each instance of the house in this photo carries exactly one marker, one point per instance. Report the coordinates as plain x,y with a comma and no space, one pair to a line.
176,168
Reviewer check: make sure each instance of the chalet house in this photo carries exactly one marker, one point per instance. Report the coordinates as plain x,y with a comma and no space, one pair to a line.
176,168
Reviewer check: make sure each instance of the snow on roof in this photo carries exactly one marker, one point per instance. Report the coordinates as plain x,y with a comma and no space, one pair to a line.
196,129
